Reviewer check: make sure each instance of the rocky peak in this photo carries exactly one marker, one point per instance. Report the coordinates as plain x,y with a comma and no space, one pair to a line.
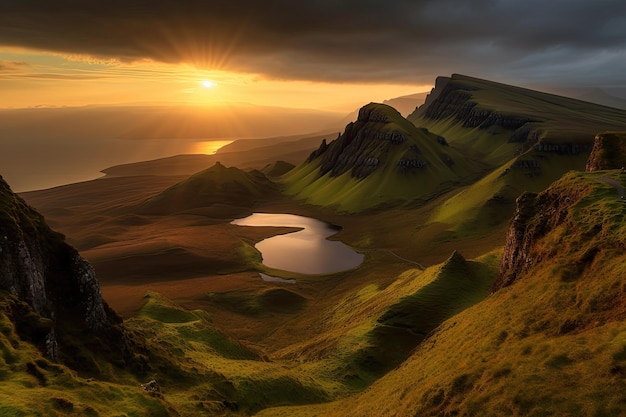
40,269
376,113
367,143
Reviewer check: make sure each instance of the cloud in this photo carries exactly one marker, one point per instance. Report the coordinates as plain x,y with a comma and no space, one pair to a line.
10,66
338,41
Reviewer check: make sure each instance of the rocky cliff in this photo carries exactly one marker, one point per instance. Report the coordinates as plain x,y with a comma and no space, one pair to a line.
538,215
38,269
367,143
451,97
608,152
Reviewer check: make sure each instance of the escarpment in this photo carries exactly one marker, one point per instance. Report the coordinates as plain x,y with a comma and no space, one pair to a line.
450,98
536,216
59,287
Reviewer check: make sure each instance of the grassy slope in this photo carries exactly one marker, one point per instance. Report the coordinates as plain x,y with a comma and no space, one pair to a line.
489,202
31,385
553,343
388,184
558,119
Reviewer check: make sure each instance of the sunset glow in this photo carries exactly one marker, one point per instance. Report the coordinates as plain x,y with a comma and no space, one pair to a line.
38,79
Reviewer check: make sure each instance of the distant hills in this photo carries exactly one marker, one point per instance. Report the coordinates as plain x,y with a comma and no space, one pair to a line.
513,138
71,144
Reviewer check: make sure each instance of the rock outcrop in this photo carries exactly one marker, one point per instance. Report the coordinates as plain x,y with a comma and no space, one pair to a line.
608,152
366,144
39,269
535,216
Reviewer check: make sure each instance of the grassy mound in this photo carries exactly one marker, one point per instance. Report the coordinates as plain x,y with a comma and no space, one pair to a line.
217,185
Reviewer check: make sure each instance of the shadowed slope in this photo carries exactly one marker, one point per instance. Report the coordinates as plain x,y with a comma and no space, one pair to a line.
217,185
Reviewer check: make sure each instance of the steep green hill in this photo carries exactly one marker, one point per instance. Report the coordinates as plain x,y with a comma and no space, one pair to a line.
529,139
496,121
381,158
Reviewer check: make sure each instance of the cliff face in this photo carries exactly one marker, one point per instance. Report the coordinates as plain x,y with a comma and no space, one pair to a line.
451,98
40,269
608,152
536,216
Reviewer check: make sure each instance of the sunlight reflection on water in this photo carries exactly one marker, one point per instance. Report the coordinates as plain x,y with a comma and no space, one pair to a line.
306,251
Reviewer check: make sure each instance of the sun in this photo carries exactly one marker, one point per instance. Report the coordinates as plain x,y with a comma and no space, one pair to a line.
207,84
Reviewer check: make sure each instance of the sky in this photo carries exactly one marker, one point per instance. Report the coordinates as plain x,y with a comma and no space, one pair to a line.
87,84
316,54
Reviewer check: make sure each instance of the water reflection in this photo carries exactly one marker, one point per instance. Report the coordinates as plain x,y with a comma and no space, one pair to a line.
306,251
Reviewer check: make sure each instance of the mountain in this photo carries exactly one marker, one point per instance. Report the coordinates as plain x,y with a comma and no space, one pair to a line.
528,138
496,121
514,138
379,158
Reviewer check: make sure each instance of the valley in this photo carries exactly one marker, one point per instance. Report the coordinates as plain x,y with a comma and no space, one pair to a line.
490,226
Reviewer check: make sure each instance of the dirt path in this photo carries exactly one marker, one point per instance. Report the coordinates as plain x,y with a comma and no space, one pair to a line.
420,266
618,187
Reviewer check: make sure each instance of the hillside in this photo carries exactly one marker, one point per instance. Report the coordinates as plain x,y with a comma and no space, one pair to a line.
381,158
528,138
212,188
549,341
524,140
497,121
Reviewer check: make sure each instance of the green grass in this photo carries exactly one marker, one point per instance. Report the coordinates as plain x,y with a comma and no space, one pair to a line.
556,119
31,385
550,344
388,184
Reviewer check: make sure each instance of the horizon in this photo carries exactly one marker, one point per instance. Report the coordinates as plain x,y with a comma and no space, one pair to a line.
250,70
313,56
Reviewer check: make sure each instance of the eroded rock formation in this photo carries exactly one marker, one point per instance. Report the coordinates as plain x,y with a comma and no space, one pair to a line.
40,270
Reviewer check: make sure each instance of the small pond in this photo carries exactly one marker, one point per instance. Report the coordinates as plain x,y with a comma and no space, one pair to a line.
306,251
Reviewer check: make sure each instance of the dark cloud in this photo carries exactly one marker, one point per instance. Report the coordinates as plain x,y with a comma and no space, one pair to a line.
350,40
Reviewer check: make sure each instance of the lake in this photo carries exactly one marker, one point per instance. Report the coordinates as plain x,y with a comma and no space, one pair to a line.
306,251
